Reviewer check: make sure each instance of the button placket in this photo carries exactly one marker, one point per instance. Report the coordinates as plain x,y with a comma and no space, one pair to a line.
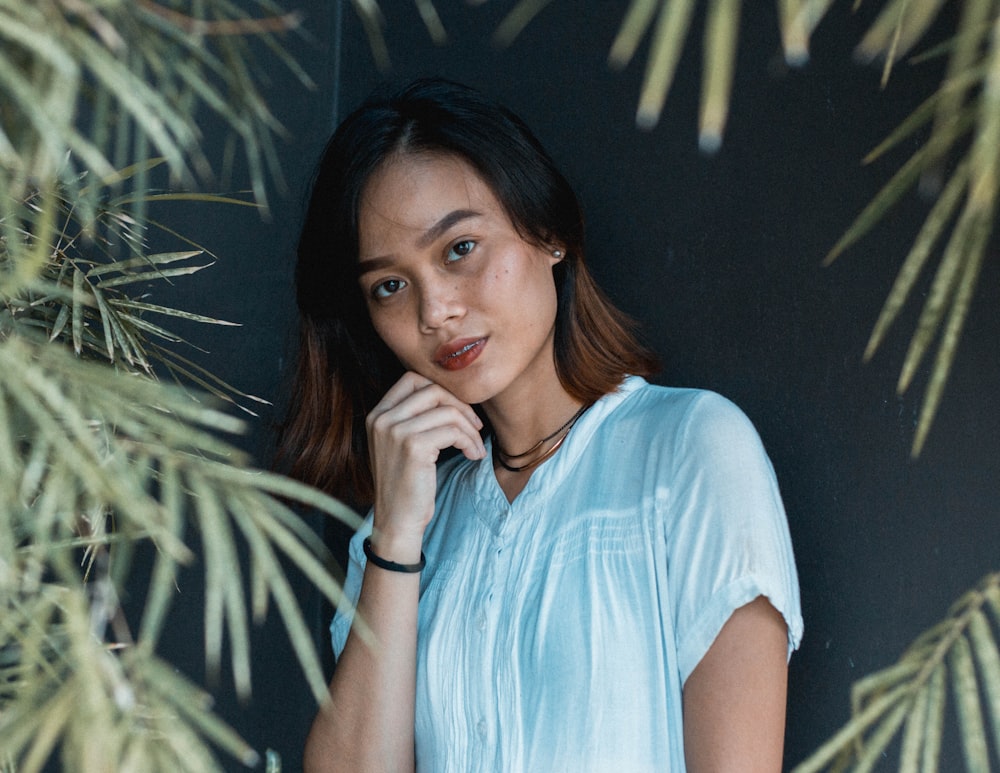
502,592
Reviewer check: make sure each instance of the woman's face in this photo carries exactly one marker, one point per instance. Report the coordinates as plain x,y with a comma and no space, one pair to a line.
451,287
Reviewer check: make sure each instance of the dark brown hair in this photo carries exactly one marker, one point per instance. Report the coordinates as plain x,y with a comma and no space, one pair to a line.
343,367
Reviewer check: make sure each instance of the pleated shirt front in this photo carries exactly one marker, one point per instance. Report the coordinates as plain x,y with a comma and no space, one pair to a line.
556,632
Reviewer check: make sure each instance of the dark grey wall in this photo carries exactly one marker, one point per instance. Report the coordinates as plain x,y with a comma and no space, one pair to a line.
719,258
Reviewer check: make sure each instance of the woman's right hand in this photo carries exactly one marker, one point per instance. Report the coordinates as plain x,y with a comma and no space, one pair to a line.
407,431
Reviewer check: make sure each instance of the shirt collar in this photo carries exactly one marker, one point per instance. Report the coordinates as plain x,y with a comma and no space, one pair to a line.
490,498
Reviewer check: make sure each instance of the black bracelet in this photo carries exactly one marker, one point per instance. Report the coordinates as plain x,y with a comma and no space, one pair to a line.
391,566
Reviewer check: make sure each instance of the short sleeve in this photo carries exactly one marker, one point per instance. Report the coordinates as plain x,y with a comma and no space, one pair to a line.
727,533
340,626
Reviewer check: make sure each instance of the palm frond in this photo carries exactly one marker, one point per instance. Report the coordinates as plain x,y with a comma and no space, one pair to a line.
897,29
669,24
99,707
143,72
673,18
911,695
966,108
91,291
84,442
97,457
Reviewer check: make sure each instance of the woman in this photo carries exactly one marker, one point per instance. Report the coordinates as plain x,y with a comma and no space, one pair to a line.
600,577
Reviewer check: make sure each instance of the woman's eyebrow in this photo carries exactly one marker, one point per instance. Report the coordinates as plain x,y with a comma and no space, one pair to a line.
426,238
444,224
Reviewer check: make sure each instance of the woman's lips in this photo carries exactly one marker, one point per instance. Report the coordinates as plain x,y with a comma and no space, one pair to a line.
456,355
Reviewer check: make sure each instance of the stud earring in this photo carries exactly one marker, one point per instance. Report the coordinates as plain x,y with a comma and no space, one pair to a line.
557,254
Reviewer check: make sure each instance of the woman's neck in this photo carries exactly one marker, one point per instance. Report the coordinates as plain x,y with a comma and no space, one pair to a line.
528,430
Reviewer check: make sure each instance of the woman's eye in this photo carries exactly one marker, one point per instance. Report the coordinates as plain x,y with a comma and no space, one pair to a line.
460,249
387,288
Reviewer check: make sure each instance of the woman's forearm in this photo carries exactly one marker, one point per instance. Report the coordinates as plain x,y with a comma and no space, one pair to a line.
367,725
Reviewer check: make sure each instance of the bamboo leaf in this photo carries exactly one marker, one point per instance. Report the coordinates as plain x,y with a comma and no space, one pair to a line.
143,261
189,196
148,276
941,295
880,738
304,556
931,230
852,730
162,584
202,378
168,130
984,646
112,330
170,312
949,343
938,696
298,634
794,32
261,553
992,596
969,713
518,18
78,305
913,733
902,21
194,704
668,42
288,488
220,565
870,686
119,176
432,21
53,719
60,322
149,328
33,111
40,42
892,50
923,114
891,192
259,593
10,459
963,71
634,26
717,71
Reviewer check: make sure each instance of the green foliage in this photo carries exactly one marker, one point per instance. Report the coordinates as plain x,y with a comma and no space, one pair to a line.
97,456
89,88
963,118
910,696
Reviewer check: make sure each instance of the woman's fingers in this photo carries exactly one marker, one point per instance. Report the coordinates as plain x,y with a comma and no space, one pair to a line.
407,430
414,395
439,427
417,393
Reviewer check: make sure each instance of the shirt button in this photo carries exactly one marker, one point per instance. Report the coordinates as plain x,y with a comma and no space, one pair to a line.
481,728
481,621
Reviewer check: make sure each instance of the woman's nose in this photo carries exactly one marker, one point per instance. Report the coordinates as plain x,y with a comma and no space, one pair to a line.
439,303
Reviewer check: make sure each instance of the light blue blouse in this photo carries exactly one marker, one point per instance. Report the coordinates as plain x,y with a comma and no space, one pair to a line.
556,633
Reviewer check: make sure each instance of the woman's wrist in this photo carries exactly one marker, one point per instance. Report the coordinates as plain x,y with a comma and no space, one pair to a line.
397,546
392,566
